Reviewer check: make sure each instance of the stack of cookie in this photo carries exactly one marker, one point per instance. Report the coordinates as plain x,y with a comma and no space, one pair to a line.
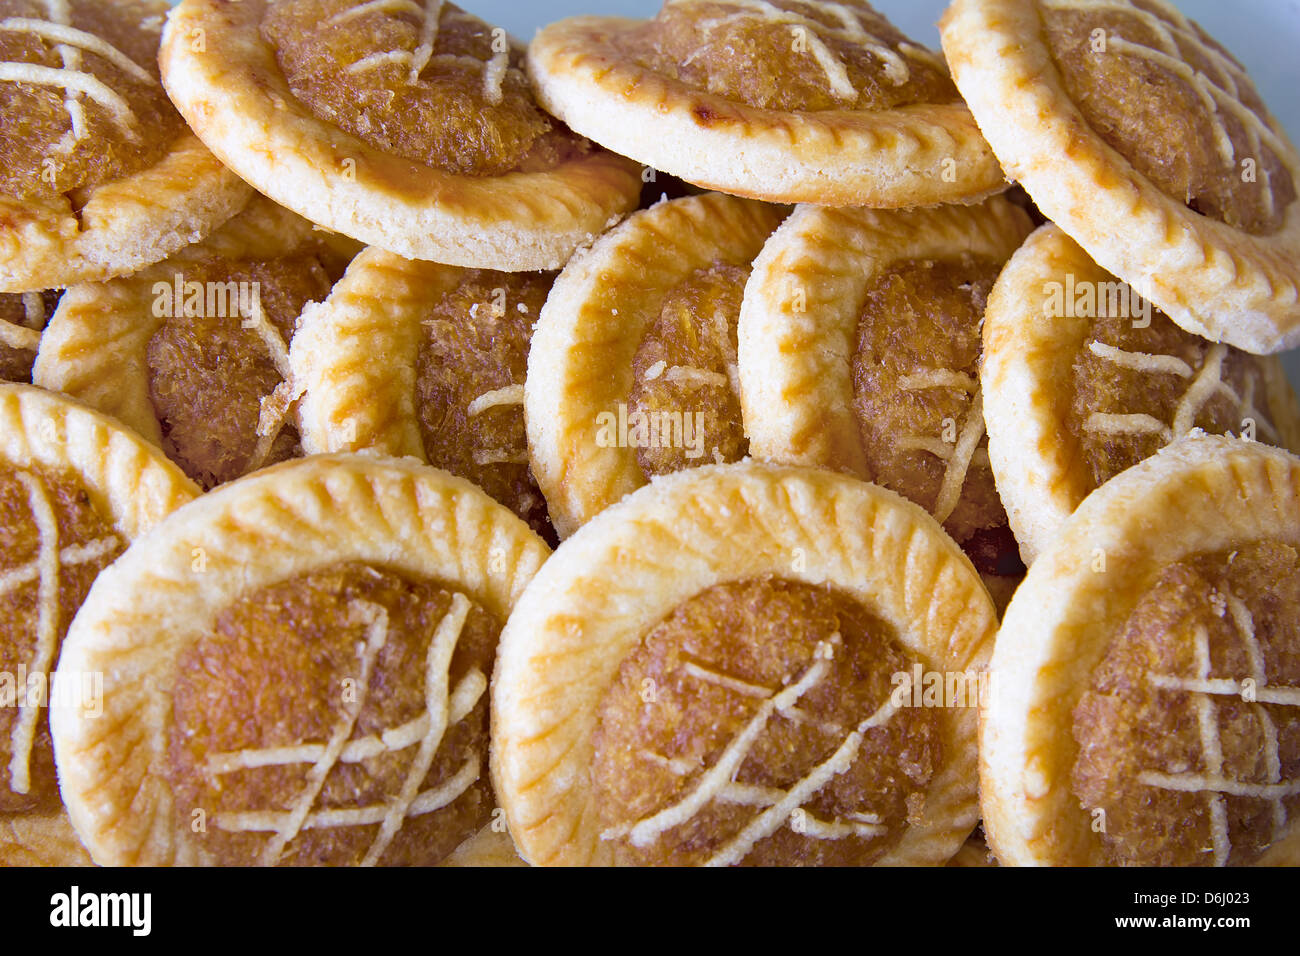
926,461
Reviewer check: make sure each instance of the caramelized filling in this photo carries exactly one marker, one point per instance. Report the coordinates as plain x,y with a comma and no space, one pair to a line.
450,94
1127,72
217,365
917,398
1137,388
684,409
53,544
469,387
56,143
1183,741
335,671
792,55
740,697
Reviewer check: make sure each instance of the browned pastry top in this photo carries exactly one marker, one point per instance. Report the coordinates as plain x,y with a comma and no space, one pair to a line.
336,718
1189,732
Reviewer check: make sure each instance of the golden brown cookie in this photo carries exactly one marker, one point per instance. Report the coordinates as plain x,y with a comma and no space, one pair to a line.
409,126
737,664
296,671
193,353
1146,678
100,175
860,352
1083,378
633,369
423,360
788,101
1146,142
75,491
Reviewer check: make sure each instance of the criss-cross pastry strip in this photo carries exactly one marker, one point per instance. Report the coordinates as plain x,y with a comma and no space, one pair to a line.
1029,361
1217,281
913,155
121,226
287,521
445,706
238,100
626,570
1201,495
133,488
776,805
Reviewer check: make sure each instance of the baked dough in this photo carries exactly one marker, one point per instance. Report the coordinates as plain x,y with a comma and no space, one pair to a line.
422,360
91,489
1225,283
839,294
238,101
49,239
162,600
582,362
40,840
917,154
685,536
1045,322
1130,544
101,346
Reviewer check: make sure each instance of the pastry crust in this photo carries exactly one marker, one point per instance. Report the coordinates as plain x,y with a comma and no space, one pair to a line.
628,569
238,102
130,484
95,348
1028,365
39,840
125,226
1202,494
1216,281
909,156
355,354
799,323
487,848
286,521
598,311
128,480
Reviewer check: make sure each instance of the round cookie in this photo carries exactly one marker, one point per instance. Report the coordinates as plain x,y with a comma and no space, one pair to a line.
193,353
75,491
1083,378
1146,142
788,101
296,672
409,126
1145,679
423,360
101,176
723,668
633,371
860,352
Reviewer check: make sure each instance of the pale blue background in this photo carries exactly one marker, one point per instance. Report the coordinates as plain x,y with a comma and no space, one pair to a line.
1263,34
